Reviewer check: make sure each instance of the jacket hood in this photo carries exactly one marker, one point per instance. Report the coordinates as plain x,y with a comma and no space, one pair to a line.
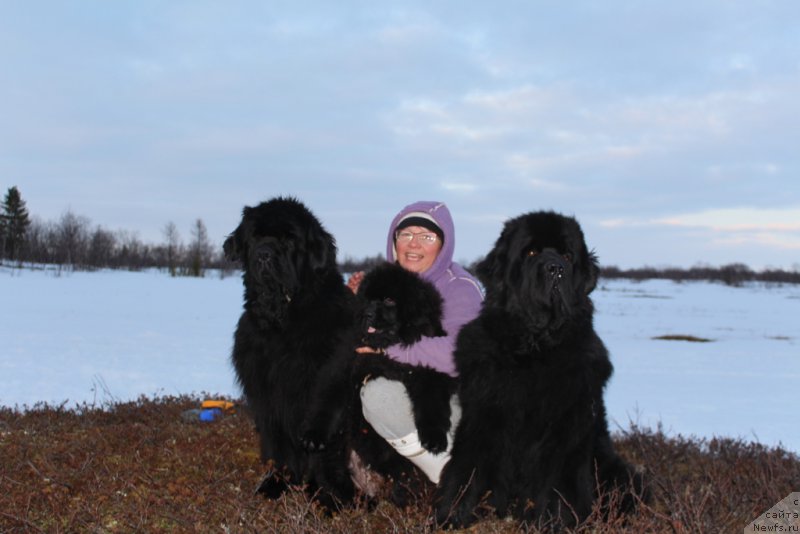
441,216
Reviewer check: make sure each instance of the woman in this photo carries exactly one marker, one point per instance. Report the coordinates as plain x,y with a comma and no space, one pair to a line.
422,240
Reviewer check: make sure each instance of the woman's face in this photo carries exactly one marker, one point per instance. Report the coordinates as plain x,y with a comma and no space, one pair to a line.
416,255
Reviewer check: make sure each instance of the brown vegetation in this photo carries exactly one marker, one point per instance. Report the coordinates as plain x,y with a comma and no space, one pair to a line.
139,467
683,337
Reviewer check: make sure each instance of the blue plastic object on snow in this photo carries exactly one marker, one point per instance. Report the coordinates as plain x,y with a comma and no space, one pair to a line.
210,414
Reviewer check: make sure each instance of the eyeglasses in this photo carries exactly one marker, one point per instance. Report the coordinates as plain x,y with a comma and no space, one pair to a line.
422,239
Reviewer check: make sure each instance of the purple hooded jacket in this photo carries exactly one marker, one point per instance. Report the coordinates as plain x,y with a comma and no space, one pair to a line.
460,292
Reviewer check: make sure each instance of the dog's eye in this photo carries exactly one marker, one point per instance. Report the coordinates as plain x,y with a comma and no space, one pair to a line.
532,252
388,301
567,256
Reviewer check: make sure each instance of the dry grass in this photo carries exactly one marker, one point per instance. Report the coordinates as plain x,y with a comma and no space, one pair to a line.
683,337
137,467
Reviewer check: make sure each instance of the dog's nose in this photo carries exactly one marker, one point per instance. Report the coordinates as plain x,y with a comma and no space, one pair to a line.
555,269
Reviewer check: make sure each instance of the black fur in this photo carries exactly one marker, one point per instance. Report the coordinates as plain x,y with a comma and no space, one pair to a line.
396,306
533,439
402,308
297,312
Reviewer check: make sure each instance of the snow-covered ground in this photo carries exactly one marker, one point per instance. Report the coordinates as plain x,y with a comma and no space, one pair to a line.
115,335
741,384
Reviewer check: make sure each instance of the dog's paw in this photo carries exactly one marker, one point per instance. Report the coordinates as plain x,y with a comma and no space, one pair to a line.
313,441
433,439
432,428
456,514
369,366
314,437
272,486
449,516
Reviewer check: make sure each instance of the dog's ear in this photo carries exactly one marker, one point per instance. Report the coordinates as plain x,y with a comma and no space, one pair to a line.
231,248
593,272
425,316
431,328
491,269
321,248
486,268
413,328
234,246
437,331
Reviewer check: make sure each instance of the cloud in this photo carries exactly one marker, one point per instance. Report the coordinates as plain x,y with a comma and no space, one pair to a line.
617,223
526,98
741,62
739,220
408,32
775,228
239,140
624,153
438,121
459,187
771,240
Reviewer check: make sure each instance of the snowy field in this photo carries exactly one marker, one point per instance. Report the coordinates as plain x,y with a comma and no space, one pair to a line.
112,336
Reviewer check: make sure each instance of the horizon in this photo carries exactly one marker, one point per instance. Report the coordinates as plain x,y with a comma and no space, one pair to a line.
668,131
341,259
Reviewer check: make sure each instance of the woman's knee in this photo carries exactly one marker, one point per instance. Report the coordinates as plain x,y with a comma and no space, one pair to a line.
387,407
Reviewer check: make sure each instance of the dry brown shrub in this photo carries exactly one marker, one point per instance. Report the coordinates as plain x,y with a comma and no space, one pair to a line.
138,467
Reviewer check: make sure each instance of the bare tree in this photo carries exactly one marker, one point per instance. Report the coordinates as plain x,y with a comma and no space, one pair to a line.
102,248
72,238
173,247
132,253
200,251
37,249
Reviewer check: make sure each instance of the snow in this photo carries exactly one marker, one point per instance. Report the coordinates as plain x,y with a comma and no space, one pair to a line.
107,336
742,384
114,335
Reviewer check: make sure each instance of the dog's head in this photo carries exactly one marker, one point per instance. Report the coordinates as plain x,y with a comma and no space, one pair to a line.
540,268
282,248
399,307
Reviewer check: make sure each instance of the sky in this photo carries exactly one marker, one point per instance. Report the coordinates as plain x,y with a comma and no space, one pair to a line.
670,130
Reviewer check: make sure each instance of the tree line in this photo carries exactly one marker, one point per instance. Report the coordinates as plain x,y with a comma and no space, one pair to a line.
734,274
73,242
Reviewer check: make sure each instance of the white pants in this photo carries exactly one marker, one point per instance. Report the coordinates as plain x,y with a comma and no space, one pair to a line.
387,408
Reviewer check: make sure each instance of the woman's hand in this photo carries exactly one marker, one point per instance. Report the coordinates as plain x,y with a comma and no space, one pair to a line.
368,350
355,280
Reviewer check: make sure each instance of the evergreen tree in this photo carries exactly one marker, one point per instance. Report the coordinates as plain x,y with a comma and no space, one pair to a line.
14,223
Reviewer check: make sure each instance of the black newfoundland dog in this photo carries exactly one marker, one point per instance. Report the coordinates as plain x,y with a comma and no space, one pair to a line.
395,306
533,440
297,313
401,307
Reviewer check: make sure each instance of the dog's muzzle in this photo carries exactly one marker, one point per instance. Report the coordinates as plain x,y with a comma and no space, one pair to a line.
555,270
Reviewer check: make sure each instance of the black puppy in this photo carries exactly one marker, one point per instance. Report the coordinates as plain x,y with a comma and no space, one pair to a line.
297,313
396,307
401,307
533,438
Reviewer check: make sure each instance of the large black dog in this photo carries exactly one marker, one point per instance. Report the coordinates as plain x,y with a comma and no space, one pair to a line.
533,440
395,306
297,313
